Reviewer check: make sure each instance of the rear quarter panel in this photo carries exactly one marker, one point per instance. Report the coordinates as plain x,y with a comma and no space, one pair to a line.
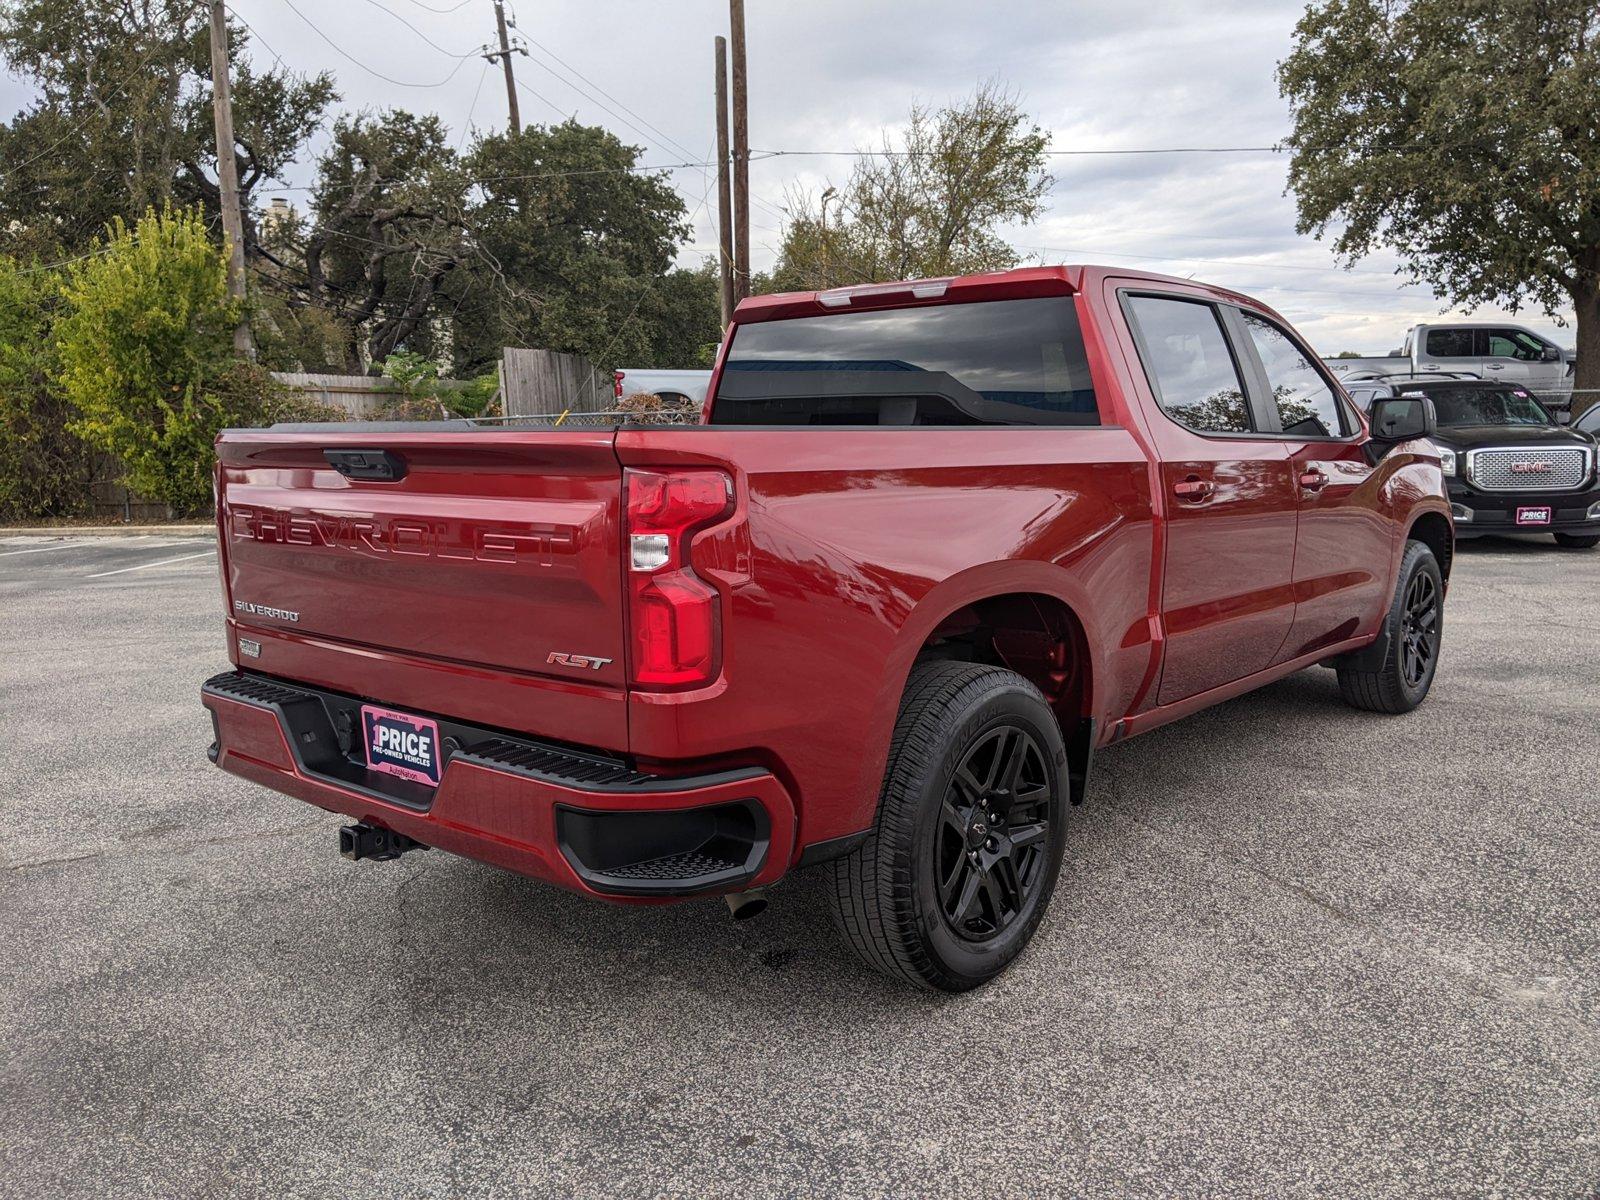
849,549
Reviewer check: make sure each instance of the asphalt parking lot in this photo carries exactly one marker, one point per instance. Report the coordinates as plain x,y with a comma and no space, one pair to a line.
1296,950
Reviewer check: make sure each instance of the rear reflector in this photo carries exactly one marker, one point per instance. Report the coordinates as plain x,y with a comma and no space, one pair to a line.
674,612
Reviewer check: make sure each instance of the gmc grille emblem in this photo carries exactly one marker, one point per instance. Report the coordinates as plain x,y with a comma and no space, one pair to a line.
1531,468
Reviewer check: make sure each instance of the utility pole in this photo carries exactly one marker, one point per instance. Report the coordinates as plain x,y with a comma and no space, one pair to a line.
504,55
741,154
827,266
228,172
724,198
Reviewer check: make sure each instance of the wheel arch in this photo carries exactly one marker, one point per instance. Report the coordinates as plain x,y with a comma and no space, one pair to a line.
1026,624
1434,530
1038,635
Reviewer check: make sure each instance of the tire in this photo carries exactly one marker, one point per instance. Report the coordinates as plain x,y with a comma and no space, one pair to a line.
1578,541
1415,627
910,900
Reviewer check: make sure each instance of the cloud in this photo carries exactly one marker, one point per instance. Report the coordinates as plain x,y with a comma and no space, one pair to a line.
832,74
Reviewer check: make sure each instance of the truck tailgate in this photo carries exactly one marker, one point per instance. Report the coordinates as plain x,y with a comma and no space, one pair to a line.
496,555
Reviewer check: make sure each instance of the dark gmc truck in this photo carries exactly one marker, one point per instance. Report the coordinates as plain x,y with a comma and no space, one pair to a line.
1510,467
935,544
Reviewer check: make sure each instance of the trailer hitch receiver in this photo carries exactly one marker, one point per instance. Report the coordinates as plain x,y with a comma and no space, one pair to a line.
371,841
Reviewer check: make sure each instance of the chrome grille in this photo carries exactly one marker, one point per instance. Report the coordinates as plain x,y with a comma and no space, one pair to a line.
1505,470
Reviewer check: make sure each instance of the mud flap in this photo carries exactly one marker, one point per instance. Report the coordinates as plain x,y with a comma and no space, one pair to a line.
1369,658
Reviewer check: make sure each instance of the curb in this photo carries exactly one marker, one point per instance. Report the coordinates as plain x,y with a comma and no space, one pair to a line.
69,531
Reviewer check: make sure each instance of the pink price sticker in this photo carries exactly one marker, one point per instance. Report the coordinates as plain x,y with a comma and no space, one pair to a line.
401,745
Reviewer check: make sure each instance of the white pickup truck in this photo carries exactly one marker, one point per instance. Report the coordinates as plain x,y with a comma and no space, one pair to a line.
671,386
1472,349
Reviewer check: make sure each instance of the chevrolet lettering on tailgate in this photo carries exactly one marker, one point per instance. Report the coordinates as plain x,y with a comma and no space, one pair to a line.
542,545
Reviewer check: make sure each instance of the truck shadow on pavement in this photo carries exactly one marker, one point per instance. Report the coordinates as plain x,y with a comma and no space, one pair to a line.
1178,782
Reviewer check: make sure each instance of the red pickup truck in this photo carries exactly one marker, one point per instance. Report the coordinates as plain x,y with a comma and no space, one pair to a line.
934,544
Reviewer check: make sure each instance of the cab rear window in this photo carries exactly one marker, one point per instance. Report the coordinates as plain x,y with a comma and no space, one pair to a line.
1000,362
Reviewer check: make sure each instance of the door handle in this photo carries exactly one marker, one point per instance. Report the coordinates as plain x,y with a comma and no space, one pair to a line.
1313,481
1193,488
1494,366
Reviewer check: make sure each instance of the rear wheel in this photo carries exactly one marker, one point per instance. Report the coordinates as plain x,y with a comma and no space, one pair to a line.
962,860
1415,625
1578,541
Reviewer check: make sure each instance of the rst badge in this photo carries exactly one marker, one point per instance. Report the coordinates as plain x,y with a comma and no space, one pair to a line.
583,662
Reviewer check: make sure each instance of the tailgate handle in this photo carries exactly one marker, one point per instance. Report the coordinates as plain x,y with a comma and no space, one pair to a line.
378,466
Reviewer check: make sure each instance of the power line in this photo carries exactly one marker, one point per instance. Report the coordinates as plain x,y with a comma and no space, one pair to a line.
447,53
251,29
661,138
466,126
442,12
482,179
84,124
543,99
38,268
372,70
1051,153
1215,262
1271,287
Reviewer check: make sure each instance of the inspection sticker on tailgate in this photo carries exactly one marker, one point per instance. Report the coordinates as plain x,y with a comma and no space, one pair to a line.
1533,516
402,745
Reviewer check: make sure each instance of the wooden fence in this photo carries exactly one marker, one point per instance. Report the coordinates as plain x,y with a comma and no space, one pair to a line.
110,501
544,383
359,395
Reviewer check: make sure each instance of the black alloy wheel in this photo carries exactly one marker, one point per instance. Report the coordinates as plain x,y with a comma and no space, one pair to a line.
1419,643
995,820
1408,644
959,866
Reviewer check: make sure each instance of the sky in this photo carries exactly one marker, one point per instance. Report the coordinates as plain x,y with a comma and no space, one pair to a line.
828,77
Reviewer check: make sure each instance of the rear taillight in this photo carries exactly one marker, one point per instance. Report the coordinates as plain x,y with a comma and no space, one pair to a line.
673,610
616,383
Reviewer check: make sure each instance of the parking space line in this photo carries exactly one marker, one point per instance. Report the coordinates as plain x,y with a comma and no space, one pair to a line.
145,566
59,546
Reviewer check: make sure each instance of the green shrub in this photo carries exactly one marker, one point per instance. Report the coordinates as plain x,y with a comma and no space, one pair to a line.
144,353
427,397
248,397
44,467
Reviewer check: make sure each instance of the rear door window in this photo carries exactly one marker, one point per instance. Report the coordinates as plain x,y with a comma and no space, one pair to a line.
1000,362
1451,343
1307,406
1191,370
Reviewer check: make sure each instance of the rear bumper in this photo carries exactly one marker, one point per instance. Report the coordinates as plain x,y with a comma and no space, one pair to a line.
581,820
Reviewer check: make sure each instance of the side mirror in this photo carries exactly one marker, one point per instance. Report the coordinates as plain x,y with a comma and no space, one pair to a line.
1551,354
1401,418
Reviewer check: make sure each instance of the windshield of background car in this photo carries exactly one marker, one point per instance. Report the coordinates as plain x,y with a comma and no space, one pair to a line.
1487,406
994,362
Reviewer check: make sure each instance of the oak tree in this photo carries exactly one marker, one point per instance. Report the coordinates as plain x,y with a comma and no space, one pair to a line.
1464,135
928,204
